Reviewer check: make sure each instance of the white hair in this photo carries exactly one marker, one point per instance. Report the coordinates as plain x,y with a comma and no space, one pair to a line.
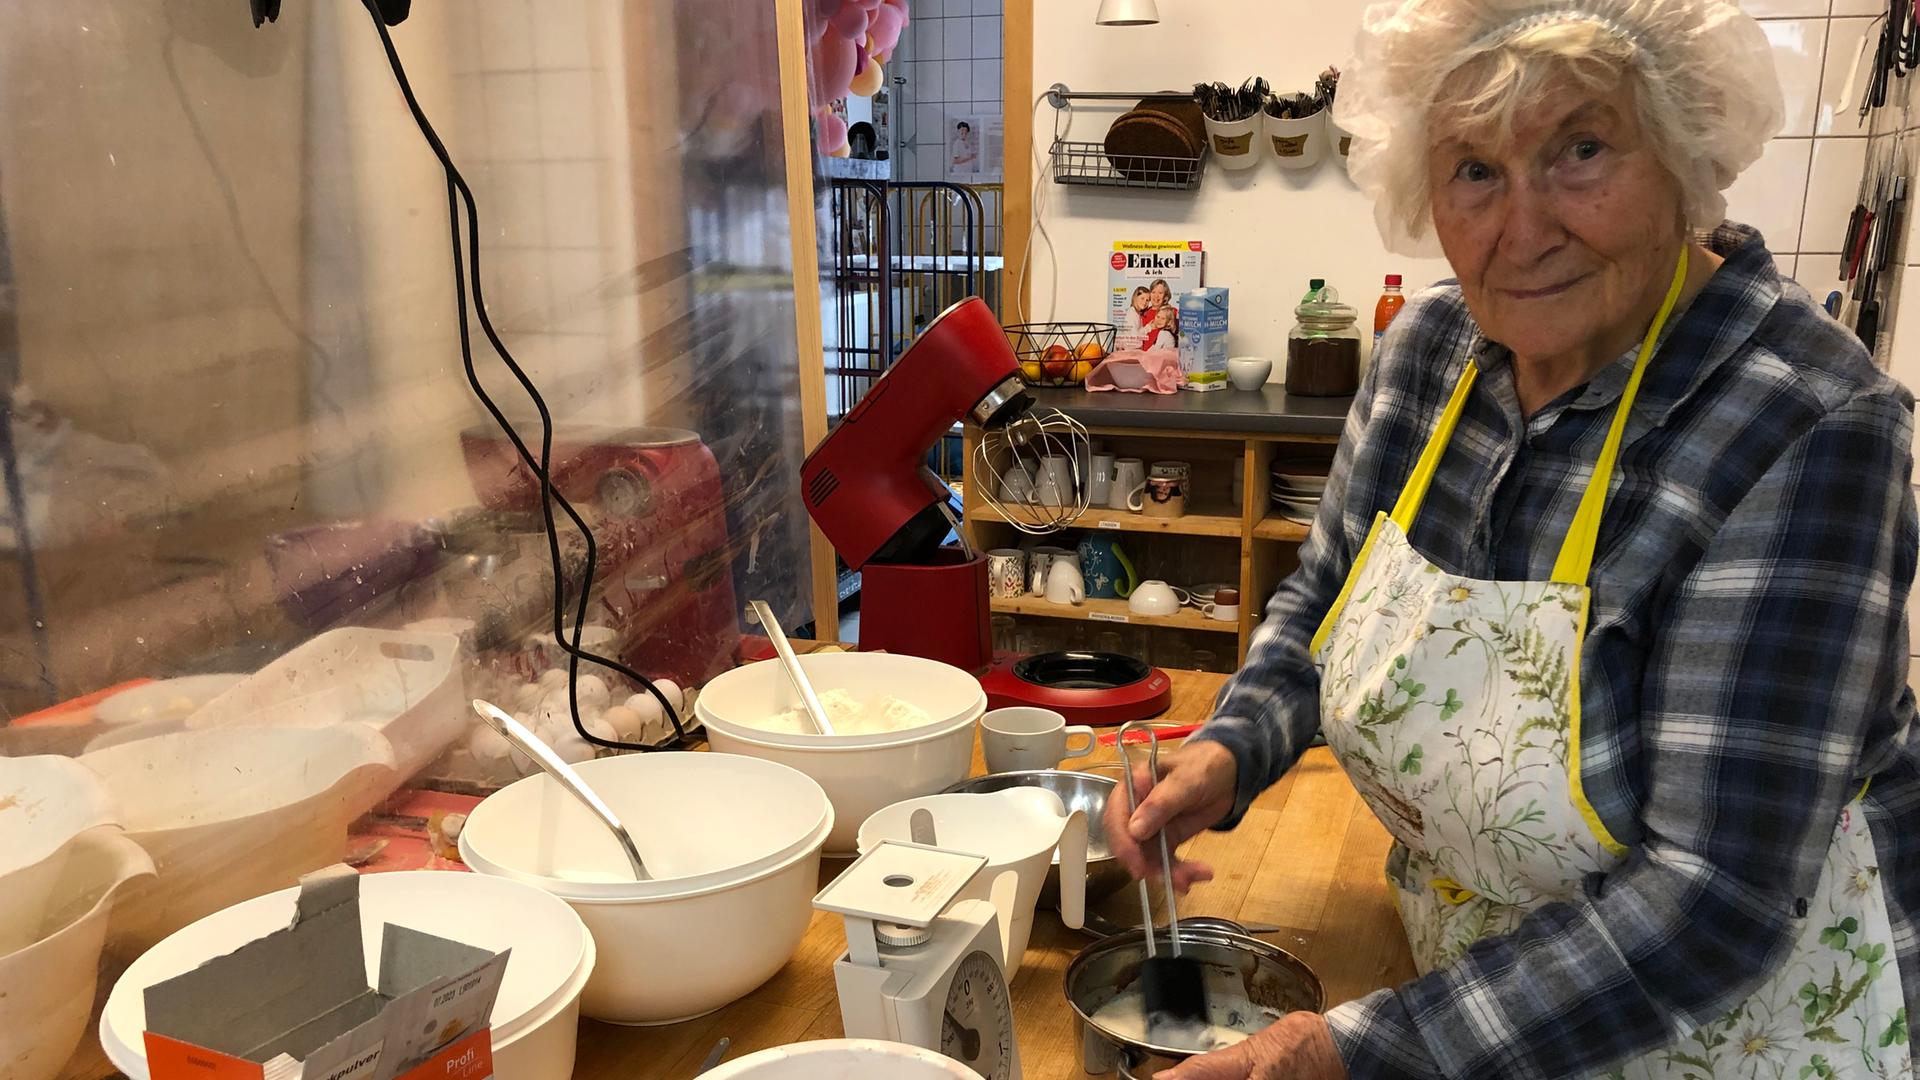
1701,72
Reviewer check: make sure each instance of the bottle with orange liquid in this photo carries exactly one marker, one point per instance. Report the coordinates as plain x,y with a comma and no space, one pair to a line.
1391,301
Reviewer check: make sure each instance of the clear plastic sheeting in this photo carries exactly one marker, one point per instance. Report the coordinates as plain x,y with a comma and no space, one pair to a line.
239,439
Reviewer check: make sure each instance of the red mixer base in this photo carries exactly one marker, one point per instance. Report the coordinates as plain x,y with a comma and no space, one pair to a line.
1099,689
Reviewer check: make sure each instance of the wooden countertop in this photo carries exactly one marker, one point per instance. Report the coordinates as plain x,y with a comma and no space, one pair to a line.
1307,859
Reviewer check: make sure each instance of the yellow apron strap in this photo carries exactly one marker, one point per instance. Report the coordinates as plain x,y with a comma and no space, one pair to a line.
1576,553
1407,506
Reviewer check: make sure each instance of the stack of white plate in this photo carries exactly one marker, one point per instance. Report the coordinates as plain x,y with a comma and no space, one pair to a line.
535,1018
1296,494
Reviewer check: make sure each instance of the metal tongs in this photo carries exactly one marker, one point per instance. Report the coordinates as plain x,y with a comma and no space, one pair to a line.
1173,986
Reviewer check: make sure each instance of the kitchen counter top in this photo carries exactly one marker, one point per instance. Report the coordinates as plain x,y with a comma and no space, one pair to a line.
1269,412
1307,859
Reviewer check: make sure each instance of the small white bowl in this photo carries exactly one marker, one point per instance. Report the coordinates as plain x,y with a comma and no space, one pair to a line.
843,1059
1248,372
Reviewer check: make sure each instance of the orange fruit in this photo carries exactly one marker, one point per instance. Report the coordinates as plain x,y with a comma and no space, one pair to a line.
1091,351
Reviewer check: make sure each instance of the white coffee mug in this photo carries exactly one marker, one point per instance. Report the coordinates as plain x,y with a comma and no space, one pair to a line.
1129,484
1100,480
1038,563
1006,573
1016,486
1155,597
1064,584
1056,470
1022,737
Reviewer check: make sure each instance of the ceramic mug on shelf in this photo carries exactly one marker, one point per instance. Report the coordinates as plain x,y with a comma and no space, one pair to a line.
1129,484
1100,480
1038,563
1156,597
1167,484
1064,584
1056,472
1224,607
1006,573
1016,487
1021,738
1109,573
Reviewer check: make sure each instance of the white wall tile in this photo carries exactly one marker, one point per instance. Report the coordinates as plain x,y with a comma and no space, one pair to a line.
1798,47
929,129
1858,7
930,81
1785,264
926,9
1769,196
1832,187
567,114
560,35
959,8
515,286
959,80
1774,9
512,198
1903,355
506,34
513,117
986,81
578,277
573,204
1820,275
986,36
1844,37
929,40
958,37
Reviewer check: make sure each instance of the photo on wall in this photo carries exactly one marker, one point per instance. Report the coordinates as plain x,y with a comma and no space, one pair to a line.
973,148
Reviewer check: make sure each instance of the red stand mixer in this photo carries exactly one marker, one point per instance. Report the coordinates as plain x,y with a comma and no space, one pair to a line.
886,513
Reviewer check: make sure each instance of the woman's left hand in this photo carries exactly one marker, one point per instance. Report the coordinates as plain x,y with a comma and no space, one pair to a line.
1298,1047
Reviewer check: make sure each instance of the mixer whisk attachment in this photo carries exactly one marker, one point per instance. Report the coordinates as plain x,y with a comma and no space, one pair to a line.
1032,470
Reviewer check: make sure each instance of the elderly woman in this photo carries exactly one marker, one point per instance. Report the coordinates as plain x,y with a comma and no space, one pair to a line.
1603,614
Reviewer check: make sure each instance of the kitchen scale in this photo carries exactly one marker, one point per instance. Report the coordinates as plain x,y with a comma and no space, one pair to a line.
1097,688
919,968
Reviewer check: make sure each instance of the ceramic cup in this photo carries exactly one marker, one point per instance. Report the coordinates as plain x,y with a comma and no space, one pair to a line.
1129,484
1006,573
1064,584
1016,486
1156,597
1166,494
1021,738
1038,562
1056,472
1100,480
1224,607
1048,492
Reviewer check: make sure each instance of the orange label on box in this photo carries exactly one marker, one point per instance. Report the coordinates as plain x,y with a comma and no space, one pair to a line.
171,1059
470,1058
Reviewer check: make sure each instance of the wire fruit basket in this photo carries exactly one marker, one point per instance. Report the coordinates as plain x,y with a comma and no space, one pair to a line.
1059,353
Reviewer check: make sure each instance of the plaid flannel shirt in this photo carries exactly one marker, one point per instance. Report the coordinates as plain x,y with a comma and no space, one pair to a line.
1744,669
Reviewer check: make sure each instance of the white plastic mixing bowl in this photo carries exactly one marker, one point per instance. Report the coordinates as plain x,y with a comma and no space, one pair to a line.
861,773
843,1059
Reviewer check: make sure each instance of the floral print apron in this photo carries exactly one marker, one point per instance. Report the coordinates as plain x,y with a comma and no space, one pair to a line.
1453,703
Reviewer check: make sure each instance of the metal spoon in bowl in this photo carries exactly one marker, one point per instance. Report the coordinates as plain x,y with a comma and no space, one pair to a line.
564,774
810,700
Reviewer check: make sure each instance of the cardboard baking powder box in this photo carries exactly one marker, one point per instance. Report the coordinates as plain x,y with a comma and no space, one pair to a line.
295,1005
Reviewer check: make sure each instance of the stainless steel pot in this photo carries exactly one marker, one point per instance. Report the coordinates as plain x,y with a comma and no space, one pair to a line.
1080,791
1273,978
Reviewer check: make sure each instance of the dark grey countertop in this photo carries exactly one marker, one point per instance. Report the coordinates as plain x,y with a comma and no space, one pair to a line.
1269,412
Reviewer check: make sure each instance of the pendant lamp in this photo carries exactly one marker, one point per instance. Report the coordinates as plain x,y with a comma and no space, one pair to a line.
1127,13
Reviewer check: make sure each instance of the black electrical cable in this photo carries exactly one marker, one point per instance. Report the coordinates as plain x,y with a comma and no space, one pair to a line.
460,195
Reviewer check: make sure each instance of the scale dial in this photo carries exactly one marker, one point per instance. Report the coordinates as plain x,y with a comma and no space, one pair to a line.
977,1029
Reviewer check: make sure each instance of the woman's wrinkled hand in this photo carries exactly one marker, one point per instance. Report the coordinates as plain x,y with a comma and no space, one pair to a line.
1298,1047
1195,794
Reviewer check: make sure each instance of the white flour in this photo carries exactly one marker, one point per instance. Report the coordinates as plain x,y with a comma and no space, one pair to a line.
1230,1021
849,716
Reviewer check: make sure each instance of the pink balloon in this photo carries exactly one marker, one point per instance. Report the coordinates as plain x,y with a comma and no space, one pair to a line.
850,21
888,21
832,132
834,62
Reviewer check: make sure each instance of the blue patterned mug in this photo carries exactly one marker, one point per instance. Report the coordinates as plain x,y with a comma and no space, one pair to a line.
1105,567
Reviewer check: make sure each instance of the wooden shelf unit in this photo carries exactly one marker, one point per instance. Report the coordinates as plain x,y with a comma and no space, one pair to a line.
1247,537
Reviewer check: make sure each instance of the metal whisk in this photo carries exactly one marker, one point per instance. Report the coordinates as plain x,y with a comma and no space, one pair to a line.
1023,448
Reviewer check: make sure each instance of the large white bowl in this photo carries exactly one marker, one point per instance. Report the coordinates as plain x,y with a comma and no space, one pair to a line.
843,1059
45,802
535,1017
737,880
50,951
165,699
232,813
861,773
701,821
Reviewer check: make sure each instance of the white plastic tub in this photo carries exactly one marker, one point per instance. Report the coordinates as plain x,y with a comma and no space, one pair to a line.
50,950
535,1018
233,813
843,1059
735,843
404,684
860,773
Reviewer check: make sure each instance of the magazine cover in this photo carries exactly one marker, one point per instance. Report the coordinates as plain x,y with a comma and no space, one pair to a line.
1145,281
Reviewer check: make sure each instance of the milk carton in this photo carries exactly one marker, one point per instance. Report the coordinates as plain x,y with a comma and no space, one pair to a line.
1203,338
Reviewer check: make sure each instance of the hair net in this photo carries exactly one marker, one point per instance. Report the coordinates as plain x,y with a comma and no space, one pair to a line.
1702,73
